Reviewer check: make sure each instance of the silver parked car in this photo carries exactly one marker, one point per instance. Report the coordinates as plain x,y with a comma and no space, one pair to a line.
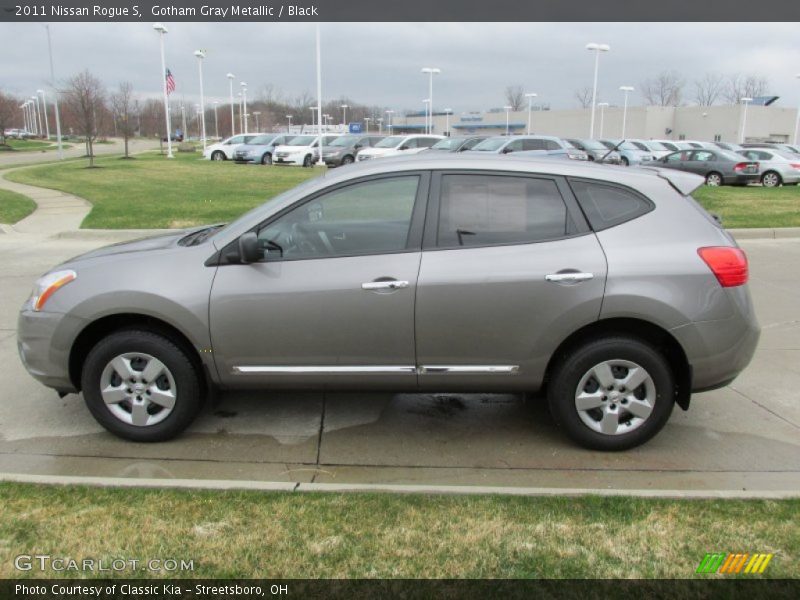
260,148
530,145
609,290
776,167
630,155
719,167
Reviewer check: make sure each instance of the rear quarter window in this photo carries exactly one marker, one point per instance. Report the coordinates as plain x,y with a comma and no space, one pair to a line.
607,205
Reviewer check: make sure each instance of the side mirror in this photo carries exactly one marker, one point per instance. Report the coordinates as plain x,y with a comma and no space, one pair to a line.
248,248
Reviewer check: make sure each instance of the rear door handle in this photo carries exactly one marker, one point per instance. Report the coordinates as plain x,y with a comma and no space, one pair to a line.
384,285
557,277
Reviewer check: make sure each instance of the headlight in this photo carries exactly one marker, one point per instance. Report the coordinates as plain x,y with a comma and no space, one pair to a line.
48,285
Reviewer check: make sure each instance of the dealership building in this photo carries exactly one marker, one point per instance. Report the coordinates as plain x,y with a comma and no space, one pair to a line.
708,123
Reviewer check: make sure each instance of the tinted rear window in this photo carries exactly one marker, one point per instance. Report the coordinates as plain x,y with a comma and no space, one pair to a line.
607,205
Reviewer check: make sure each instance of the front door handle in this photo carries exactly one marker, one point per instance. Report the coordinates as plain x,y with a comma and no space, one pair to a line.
568,277
384,285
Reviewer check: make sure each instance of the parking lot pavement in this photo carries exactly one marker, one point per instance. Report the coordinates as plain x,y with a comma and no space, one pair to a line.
745,437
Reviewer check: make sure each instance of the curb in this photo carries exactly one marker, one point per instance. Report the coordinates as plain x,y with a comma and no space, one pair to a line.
291,486
765,233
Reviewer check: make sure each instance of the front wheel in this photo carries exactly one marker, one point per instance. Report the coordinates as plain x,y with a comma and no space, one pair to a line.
612,394
348,160
307,161
141,386
218,155
266,159
625,162
770,179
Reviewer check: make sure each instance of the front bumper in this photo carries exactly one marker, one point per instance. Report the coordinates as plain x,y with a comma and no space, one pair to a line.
44,340
333,161
295,159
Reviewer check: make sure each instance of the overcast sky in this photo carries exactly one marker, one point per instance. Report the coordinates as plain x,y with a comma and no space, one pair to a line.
379,63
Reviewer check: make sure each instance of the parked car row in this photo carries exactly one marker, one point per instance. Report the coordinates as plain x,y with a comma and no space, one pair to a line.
18,134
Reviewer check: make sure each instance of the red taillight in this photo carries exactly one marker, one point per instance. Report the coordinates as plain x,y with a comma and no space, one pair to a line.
795,165
729,265
742,166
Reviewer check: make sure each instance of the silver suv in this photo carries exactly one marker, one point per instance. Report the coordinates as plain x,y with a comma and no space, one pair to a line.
609,290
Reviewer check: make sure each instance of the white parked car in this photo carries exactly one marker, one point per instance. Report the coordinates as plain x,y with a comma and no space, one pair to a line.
225,149
399,145
302,150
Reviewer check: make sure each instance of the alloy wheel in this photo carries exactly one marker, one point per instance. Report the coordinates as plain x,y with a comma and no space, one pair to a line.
138,389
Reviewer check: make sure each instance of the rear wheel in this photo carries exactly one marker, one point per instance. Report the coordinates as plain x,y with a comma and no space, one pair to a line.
612,394
266,159
770,179
348,160
714,179
625,162
141,386
218,155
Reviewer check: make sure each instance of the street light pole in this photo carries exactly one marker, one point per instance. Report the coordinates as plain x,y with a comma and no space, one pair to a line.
530,98
231,77
216,120
431,71
24,107
447,112
745,101
288,130
39,128
797,121
312,109
44,110
344,108
55,94
427,103
508,110
255,114
602,106
162,30
244,103
201,54
390,116
380,125
367,120
597,49
626,89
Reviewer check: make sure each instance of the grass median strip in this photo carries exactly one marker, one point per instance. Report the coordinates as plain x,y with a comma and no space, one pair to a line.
14,207
753,206
151,192
257,534
31,145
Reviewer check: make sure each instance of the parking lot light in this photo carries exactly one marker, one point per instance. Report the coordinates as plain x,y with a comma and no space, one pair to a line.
431,71
255,114
389,116
530,98
244,103
366,121
797,121
290,123
426,102
344,108
162,31
447,112
201,54
602,106
39,128
508,111
380,125
231,77
216,120
597,49
626,89
312,109
744,101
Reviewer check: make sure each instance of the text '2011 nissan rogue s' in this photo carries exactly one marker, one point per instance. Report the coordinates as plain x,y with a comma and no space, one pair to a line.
610,290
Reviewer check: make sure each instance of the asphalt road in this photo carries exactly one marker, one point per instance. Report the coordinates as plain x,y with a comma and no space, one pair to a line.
745,437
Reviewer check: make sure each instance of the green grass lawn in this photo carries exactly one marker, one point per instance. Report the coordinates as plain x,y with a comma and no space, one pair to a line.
153,192
274,535
14,207
753,206
150,191
33,145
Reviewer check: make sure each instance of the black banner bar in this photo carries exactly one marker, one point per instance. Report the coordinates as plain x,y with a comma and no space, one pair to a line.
585,589
401,10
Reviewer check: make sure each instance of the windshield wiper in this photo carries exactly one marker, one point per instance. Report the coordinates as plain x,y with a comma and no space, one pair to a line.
200,236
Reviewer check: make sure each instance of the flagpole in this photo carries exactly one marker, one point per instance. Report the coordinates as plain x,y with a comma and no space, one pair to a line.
161,29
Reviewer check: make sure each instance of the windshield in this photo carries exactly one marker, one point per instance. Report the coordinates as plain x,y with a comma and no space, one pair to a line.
623,146
669,146
447,144
656,145
345,140
491,144
303,140
261,140
390,142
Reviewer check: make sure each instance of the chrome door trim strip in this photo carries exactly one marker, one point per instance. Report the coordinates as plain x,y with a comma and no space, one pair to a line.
469,369
322,369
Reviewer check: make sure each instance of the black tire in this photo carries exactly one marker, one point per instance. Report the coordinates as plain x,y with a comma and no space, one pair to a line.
348,160
771,179
307,161
218,155
188,392
624,162
266,159
573,367
714,179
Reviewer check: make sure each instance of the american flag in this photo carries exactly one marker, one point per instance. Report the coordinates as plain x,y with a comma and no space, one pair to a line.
170,82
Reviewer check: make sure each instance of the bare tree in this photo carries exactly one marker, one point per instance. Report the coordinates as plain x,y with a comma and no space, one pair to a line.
85,98
9,107
584,97
741,86
122,110
708,89
663,90
515,97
